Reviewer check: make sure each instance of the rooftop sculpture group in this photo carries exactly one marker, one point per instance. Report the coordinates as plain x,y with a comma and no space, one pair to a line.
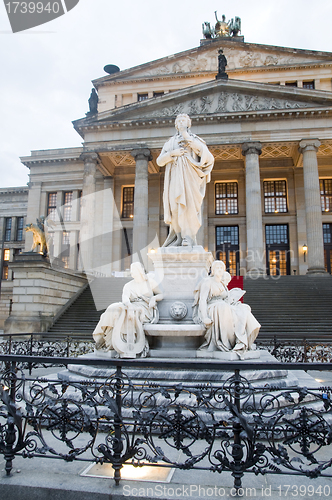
222,28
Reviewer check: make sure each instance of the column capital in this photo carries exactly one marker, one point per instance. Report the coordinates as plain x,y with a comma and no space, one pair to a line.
141,154
89,157
309,145
251,148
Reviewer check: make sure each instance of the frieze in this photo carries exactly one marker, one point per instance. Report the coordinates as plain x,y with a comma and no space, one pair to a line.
237,59
225,102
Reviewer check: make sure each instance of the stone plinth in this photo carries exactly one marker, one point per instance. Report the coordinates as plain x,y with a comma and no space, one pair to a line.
39,292
178,270
178,340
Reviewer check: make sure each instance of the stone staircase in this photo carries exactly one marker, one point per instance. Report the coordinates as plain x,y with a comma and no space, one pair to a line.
79,318
291,306
287,306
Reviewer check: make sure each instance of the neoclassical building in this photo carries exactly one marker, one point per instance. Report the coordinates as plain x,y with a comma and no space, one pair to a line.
268,207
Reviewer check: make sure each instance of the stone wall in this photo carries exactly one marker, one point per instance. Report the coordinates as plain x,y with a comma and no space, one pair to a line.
40,290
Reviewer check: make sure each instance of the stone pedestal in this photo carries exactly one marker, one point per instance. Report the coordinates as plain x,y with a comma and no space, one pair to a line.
39,292
178,270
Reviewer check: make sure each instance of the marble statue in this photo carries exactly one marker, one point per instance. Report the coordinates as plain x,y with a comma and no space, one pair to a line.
188,169
120,327
230,325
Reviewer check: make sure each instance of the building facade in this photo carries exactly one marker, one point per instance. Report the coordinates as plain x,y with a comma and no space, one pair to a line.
268,207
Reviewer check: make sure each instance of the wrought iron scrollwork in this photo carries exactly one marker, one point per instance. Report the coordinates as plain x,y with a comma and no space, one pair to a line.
229,426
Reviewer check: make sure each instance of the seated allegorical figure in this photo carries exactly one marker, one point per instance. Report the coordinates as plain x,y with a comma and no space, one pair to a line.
120,327
230,325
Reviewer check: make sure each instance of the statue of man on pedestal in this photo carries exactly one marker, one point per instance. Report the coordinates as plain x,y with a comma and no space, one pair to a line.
188,169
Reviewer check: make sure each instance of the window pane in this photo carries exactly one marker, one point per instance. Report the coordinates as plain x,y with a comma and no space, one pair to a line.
226,196
128,202
326,194
309,85
8,228
275,196
6,254
327,233
68,199
19,229
276,234
51,206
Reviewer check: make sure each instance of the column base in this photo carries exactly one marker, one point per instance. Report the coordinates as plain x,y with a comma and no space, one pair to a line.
317,270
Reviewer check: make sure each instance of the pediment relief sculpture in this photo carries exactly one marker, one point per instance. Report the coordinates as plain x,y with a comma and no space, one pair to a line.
227,102
237,58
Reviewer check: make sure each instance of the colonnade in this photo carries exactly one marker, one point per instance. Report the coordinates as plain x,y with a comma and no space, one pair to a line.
254,219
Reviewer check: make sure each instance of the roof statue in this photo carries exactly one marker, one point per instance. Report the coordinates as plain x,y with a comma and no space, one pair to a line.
222,28
93,102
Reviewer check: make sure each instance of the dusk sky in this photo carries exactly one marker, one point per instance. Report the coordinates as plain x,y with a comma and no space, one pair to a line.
46,71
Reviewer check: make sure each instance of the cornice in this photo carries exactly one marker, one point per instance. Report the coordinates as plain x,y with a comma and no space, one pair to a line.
34,161
221,117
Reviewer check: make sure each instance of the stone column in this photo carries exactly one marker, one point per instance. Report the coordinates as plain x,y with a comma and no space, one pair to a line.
88,209
255,245
107,235
313,210
141,205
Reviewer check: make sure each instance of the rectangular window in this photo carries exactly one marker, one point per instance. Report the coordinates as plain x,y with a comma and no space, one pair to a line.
67,206
142,97
276,234
325,186
8,228
327,233
277,250
19,228
128,202
158,94
227,247
226,198
5,273
65,250
291,84
51,206
309,85
6,254
275,197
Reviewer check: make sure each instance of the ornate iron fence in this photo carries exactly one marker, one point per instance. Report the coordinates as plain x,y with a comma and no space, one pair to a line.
231,425
288,350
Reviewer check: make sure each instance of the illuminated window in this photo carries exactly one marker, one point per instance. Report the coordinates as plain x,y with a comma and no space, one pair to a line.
5,273
128,202
67,206
8,228
326,194
6,254
226,198
19,229
65,249
51,206
275,197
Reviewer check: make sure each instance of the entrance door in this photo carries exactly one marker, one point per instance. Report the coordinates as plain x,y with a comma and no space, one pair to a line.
277,250
227,248
327,234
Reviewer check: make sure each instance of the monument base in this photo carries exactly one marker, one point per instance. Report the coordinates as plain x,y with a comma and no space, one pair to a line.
228,356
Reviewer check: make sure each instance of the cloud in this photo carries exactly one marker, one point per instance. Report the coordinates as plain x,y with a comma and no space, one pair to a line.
46,72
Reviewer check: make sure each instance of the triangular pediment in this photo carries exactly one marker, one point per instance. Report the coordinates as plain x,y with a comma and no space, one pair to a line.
204,59
217,97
